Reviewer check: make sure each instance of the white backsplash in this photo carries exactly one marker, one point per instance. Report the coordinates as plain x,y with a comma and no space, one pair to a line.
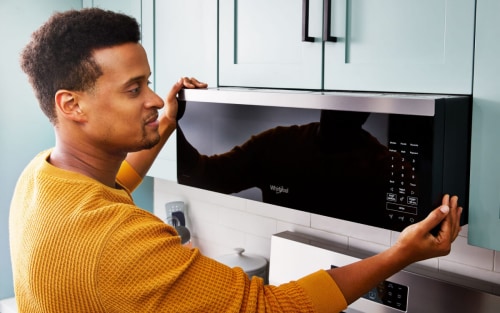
221,223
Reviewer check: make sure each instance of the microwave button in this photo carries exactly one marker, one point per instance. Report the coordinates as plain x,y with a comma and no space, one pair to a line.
401,208
391,197
412,200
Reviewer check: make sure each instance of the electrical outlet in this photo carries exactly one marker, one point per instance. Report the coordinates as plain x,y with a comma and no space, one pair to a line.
176,213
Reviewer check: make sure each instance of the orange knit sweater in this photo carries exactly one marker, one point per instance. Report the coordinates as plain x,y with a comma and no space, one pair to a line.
80,246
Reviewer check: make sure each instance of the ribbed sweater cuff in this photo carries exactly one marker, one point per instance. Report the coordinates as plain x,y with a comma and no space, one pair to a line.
323,292
128,177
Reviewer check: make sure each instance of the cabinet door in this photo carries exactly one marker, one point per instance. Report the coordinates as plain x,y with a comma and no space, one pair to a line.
401,46
260,44
484,210
185,45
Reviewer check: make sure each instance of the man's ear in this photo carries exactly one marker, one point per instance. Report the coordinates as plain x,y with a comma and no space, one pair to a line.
68,107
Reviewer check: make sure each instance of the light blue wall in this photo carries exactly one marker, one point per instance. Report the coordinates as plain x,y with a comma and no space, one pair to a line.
24,130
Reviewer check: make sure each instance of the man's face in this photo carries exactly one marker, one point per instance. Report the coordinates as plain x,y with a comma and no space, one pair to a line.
121,109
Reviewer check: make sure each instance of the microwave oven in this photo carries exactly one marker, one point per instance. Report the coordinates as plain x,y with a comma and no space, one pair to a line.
383,160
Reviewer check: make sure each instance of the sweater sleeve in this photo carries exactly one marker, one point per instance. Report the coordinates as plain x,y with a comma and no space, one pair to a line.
323,292
144,268
128,177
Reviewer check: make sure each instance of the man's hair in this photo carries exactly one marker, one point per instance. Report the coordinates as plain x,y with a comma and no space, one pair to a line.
59,55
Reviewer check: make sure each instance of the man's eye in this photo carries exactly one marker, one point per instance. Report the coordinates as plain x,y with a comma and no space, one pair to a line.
135,90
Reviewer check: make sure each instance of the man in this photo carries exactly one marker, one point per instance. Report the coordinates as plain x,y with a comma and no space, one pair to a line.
78,242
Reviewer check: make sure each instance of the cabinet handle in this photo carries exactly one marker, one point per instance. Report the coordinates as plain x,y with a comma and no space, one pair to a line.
327,20
305,22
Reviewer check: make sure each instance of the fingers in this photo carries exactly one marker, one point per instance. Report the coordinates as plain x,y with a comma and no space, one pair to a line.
171,109
192,83
450,213
445,200
184,82
438,216
419,239
454,217
175,90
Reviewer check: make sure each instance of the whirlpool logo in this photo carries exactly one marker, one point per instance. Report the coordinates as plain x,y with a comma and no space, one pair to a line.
278,189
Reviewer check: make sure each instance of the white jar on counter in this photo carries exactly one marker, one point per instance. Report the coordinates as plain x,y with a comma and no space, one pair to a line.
252,265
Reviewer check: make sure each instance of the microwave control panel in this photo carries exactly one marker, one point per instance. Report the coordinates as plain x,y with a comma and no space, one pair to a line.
413,186
402,197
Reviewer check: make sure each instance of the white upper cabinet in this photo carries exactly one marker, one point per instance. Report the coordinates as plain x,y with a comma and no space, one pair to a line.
185,39
394,45
484,209
384,45
185,42
260,44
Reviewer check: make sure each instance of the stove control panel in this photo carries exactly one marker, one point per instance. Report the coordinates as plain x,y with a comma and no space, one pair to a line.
390,294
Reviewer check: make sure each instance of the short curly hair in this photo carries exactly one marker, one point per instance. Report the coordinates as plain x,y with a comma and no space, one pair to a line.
59,55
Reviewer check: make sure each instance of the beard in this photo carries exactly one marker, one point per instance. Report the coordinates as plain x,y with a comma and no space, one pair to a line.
149,143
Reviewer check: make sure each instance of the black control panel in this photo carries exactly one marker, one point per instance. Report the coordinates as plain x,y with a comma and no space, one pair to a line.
403,196
414,185
390,294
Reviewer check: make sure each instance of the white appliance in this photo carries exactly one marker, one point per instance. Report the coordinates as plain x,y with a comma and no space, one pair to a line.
295,255
8,305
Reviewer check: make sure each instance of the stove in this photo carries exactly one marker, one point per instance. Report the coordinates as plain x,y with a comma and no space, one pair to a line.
403,292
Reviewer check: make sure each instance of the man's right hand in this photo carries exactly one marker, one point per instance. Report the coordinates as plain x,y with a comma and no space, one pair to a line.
417,242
